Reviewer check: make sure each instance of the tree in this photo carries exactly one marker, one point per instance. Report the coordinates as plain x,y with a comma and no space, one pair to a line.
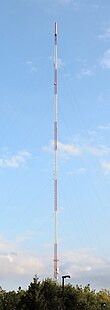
51,293
47,295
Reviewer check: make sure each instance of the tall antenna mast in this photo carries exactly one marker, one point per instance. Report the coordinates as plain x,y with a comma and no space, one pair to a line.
55,155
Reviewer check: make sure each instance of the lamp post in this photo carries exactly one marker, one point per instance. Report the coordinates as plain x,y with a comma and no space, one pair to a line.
63,282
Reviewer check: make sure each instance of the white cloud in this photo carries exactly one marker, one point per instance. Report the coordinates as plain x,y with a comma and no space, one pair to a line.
17,267
76,149
66,149
70,149
29,62
60,63
85,72
5,245
27,263
14,161
104,127
21,264
106,166
105,35
85,267
105,61
98,151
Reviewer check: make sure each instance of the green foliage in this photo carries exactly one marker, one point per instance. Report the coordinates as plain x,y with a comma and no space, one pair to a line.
48,295
51,292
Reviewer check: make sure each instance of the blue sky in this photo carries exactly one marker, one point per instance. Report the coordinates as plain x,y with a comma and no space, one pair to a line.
26,136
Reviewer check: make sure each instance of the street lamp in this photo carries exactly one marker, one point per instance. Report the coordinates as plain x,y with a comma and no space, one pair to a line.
63,281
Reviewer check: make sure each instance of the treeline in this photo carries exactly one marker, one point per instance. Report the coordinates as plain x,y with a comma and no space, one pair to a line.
48,295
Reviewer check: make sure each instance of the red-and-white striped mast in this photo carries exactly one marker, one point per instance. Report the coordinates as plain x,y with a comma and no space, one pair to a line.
55,155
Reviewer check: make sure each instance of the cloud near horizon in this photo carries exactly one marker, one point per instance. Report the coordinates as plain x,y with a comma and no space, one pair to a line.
20,267
18,264
85,267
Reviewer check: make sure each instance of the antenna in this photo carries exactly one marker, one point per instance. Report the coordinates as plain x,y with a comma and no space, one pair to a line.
55,154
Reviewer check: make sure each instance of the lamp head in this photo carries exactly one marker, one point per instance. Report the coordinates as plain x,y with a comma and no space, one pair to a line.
66,276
